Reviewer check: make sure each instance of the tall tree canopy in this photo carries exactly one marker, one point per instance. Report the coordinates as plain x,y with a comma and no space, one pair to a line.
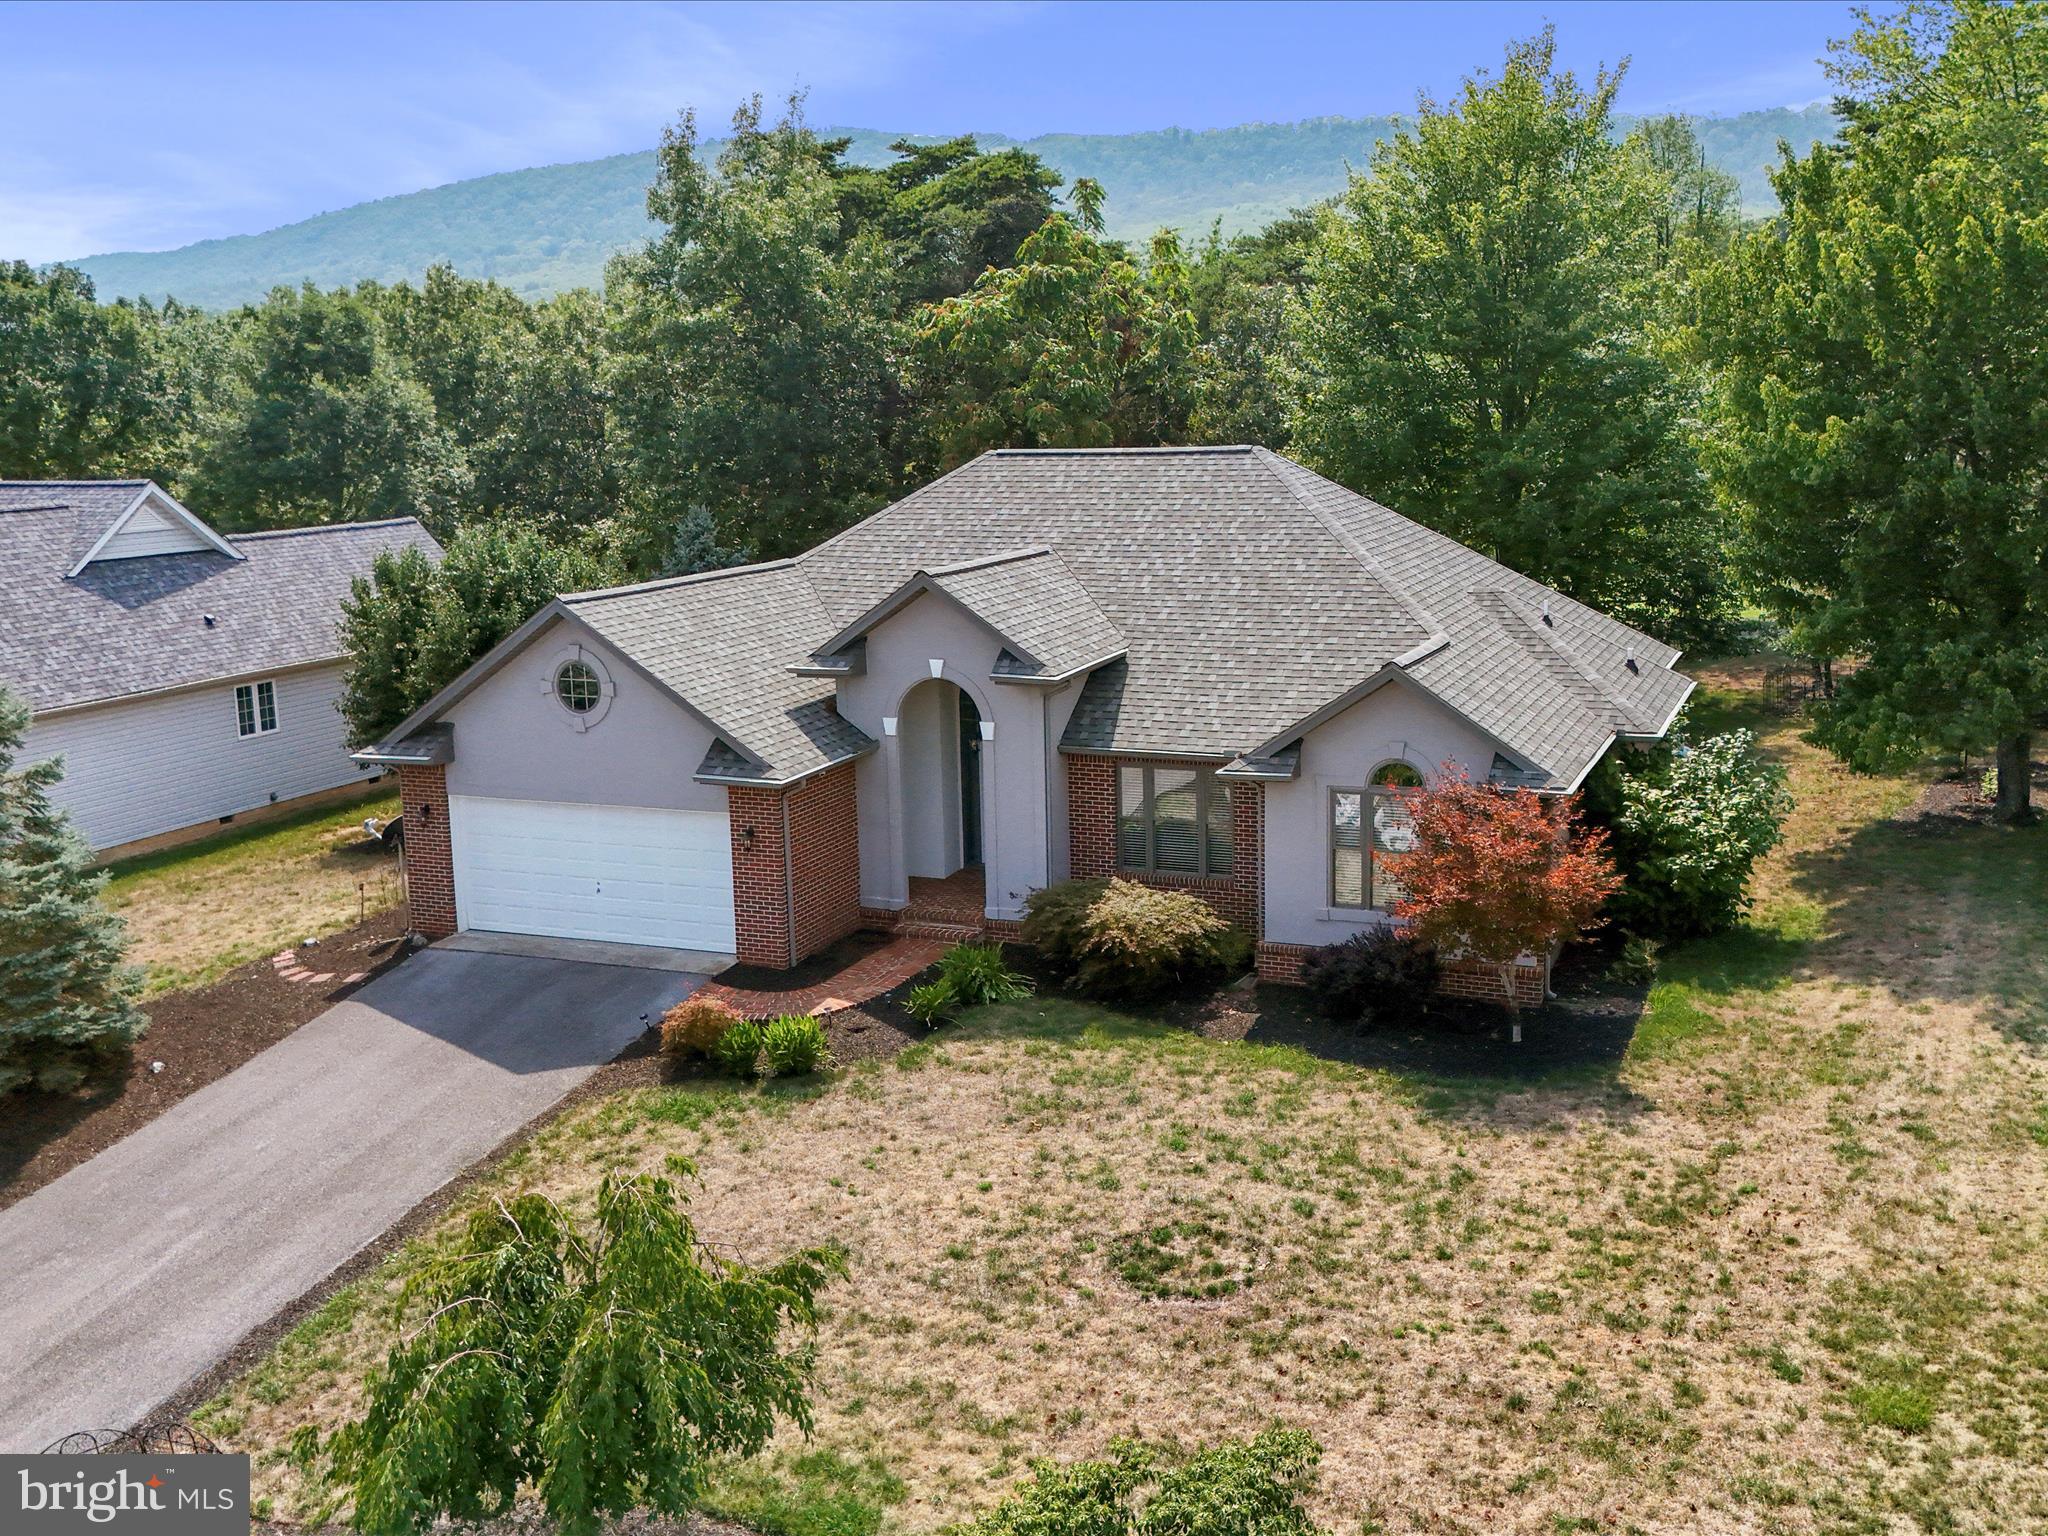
329,423
1882,408
750,349
1073,346
1475,347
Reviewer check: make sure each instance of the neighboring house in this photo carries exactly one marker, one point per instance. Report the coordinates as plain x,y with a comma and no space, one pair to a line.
1206,668
184,676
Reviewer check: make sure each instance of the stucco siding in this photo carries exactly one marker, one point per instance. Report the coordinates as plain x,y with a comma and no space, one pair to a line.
514,741
900,651
1394,722
148,766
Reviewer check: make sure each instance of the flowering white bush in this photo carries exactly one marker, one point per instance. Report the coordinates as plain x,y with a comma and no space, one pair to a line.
1690,829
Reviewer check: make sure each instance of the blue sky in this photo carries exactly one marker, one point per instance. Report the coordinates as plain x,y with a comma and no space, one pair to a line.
151,126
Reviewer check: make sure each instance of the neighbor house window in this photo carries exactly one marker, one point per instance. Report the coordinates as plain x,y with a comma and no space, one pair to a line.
578,687
1172,821
1365,825
256,708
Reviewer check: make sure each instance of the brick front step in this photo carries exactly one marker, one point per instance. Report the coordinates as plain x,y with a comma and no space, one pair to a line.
951,933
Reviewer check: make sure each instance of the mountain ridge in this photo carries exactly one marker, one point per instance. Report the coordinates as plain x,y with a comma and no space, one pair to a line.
545,229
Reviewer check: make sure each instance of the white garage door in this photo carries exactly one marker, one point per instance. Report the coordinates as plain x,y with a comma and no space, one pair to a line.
613,872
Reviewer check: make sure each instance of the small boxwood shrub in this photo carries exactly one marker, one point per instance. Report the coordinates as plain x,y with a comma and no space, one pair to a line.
694,1026
1118,939
738,1050
793,1045
1378,976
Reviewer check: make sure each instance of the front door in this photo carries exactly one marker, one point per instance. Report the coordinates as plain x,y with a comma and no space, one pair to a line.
970,781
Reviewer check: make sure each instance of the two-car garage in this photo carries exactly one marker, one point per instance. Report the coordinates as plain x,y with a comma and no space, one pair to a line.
622,874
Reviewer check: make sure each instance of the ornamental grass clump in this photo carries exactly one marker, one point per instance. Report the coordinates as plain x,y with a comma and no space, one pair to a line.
970,976
794,1046
737,1052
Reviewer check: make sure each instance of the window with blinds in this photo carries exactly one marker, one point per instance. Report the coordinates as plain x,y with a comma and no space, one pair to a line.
1366,825
1174,821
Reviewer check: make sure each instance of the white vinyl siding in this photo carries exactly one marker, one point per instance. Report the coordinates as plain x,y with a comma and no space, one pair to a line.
136,769
623,874
150,532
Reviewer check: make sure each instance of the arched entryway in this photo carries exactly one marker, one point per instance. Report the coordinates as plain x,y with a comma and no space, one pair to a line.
944,825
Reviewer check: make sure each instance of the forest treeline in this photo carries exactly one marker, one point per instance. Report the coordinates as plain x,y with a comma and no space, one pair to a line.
1561,345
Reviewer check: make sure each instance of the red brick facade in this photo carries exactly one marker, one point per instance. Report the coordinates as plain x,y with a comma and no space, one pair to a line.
1466,978
795,867
1281,963
429,856
1238,898
824,835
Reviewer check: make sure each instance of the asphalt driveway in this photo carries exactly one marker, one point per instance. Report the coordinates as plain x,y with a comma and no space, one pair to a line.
124,1280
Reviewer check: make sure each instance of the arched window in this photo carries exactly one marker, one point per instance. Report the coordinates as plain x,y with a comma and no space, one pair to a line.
1366,825
1395,775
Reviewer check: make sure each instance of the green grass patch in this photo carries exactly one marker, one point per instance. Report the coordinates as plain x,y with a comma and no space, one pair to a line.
806,1493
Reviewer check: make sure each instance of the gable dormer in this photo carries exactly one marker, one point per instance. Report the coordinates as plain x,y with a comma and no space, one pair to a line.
153,524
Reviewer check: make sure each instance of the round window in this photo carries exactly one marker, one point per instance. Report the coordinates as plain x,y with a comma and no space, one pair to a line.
1396,775
578,687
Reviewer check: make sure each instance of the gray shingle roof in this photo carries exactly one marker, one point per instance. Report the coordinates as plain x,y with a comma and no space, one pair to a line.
123,627
1050,626
1244,593
723,642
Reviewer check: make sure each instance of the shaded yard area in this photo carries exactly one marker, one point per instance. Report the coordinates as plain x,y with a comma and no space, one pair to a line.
1770,1256
196,912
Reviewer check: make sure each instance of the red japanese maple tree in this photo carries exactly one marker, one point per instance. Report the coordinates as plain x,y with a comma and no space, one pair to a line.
1499,873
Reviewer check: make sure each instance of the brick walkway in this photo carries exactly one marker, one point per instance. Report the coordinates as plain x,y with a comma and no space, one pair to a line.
867,978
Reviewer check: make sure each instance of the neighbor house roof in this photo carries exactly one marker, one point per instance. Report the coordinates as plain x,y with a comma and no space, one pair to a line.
1221,601
121,627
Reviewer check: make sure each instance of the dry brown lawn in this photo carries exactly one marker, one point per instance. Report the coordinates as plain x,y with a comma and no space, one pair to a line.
1782,1270
195,913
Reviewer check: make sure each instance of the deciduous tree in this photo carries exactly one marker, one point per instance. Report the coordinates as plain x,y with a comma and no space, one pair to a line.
413,626
1499,873
1072,347
605,1369
1882,360
1476,350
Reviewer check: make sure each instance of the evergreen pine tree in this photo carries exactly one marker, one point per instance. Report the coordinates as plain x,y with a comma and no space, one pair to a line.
67,1000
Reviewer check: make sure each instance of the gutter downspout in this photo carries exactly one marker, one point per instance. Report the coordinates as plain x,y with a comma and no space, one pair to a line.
788,880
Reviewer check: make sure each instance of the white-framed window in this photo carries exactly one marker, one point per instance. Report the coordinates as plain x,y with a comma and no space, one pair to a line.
1365,824
1172,821
256,708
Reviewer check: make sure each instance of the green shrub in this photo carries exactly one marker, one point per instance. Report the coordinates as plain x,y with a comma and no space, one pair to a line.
794,1045
694,1026
1237,1488
1688,825
738,1050
1056,921
933,1003
1138,941
1636,965
1382,976
977,975
1117,939
1235,950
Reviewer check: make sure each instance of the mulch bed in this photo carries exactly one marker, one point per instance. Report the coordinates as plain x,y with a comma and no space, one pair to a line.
821,967
199,1035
